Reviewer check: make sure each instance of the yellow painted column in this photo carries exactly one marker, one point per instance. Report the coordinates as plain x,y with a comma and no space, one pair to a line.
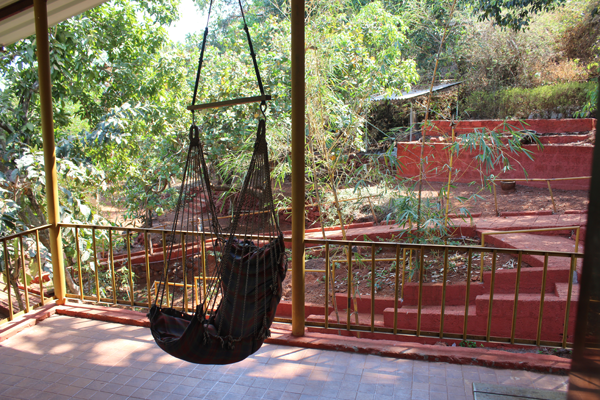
298,167
43,56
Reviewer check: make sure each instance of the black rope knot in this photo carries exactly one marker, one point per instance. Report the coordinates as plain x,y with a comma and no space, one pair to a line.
206,338
264,332
227,342
274,289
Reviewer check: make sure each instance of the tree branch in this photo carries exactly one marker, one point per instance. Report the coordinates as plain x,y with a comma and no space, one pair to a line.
7,127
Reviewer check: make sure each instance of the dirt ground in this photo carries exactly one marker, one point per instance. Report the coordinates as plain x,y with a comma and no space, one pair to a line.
523,198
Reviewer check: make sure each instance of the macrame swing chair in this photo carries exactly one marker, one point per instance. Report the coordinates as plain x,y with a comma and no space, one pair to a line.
226,316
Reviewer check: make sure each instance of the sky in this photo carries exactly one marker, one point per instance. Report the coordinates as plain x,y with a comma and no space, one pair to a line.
191,21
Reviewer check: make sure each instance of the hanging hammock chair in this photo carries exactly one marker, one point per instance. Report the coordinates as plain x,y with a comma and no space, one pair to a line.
221,285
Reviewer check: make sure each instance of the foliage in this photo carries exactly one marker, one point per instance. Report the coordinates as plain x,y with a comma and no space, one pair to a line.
494,149
513,14
346,69
227,72
426,21
580,31
352,52
491,59
562,99
557,48
101,61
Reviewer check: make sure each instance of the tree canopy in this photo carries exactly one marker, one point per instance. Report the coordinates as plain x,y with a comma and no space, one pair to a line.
120,88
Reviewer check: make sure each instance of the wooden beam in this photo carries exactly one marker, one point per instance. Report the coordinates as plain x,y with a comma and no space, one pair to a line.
15,8
227,103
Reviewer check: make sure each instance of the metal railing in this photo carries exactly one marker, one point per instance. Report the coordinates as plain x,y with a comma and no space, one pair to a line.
420,268
101,262
17,274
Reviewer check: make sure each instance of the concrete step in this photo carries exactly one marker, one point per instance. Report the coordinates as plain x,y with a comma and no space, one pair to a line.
431,319
562,289
363,318
528,308
364,303
536,242
432,293
531,278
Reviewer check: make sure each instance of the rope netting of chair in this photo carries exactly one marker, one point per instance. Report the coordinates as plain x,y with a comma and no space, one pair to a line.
221,285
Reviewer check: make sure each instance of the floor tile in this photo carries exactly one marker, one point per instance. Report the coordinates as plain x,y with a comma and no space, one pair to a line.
107,361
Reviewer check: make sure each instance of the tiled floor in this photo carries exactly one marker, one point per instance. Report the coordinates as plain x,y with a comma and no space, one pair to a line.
66,357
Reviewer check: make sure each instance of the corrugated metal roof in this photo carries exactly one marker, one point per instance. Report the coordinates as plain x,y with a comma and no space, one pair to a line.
17,19
414,93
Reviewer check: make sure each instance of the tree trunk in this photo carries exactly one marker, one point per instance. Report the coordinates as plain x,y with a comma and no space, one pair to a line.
14,276
148,218
35,216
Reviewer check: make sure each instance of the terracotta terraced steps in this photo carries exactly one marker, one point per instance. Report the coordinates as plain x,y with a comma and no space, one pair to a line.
528,306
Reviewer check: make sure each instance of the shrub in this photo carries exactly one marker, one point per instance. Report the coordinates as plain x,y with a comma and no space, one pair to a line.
551,101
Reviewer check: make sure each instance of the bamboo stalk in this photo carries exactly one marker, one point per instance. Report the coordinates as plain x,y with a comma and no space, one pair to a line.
449,181
424,126
551,197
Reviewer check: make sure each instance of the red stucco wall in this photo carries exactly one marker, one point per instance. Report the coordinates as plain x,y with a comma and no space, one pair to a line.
538,125
555,161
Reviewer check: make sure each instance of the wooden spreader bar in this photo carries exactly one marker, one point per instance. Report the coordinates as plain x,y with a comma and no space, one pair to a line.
233,102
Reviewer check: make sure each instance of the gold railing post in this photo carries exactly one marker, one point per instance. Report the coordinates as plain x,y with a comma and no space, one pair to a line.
8,280
43,56
298,167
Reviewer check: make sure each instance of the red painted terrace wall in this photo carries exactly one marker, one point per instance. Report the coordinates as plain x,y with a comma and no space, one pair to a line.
555,161
539,125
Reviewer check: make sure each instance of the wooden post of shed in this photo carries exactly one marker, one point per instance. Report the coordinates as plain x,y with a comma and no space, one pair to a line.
412,121
43,56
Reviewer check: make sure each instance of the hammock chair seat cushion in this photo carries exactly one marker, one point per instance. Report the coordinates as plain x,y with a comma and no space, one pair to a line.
211,341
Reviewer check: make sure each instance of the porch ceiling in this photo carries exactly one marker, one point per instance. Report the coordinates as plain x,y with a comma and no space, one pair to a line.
17,19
